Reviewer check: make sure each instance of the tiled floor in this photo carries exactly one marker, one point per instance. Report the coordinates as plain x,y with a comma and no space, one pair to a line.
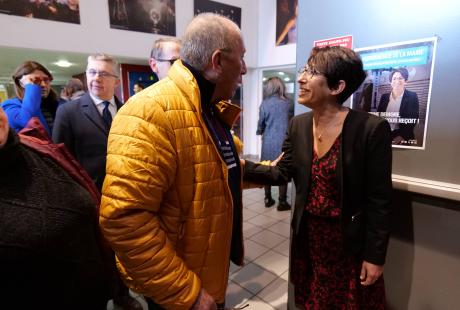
263,281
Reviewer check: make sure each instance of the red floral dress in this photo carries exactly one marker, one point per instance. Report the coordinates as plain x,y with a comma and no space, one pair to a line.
325,277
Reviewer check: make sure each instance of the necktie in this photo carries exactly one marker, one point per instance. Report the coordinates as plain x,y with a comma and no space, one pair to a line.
106,115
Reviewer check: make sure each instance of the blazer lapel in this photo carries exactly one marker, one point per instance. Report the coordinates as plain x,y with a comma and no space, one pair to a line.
91,112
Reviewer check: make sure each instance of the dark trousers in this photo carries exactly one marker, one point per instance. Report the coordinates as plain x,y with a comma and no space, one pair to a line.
282,192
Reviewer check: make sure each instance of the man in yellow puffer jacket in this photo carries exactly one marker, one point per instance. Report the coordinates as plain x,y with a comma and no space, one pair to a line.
171,206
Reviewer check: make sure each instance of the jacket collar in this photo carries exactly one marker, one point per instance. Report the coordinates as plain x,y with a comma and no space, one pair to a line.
186,81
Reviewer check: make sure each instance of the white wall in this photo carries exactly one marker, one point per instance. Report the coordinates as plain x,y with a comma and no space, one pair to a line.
94,32
258,23
268,56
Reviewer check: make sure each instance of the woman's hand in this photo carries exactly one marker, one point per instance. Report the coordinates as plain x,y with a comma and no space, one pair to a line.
4,128
370,273
275,162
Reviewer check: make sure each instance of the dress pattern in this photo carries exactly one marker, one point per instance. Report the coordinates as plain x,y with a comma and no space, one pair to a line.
325,277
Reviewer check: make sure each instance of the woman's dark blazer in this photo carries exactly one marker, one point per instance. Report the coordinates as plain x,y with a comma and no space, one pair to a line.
363,178
409,109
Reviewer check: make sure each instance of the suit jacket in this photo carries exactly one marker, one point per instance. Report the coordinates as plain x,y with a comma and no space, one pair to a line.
363,178
81,128
408,109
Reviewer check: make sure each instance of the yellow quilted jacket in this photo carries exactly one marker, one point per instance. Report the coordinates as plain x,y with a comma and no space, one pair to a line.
167,208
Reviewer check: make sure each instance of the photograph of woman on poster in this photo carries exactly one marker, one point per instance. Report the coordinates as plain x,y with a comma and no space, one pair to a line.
403,103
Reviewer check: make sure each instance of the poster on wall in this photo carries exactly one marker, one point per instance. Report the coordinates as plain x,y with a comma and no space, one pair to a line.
151,16
286,22
229,11
398,88
67,11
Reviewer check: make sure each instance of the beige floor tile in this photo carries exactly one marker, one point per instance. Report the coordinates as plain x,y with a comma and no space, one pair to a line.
236,296
282,248
273,262
262,221
281,228
267,238
248,213
250,229
275,294
253,278
285,275
253,250
256,303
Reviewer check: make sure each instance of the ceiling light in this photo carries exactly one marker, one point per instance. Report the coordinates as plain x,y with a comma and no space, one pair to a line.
264,79
281,73
286,79
63,63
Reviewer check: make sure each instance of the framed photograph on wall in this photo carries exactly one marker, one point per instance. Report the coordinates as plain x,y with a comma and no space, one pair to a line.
286,22
67,11
398,88
229,11
151,16
132,74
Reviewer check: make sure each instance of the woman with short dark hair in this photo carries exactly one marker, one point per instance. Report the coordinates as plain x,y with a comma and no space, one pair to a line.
340,161
34,97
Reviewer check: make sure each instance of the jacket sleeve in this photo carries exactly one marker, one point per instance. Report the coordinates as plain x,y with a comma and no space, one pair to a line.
62,128
141,167
261,123
378,193
20,114
262,173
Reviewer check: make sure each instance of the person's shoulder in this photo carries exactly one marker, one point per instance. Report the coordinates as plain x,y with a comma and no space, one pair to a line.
410,93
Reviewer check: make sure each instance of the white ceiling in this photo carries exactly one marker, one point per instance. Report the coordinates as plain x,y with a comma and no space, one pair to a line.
10,58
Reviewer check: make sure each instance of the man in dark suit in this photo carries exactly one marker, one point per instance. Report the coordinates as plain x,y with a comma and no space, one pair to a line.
403,101
83,126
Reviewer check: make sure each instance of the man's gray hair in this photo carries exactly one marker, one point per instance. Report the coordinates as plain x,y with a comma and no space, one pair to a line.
107,58
158,47
206,33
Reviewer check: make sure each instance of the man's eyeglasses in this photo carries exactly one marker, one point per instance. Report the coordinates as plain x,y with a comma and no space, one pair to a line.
310,71
171,61
102,74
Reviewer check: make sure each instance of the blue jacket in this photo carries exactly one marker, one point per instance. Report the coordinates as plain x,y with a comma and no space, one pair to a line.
19,113
274,116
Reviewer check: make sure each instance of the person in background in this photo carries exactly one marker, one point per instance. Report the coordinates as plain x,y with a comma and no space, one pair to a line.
73,90
34,97
340,161
83,126
137,87
274,114
402,101
172,201
164,53
51,254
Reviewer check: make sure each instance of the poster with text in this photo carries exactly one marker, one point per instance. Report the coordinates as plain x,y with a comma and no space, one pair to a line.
151,16
286,22
67,11
398,88
229,11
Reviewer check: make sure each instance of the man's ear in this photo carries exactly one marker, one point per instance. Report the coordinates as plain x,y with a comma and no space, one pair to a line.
339,88
153,65
216,61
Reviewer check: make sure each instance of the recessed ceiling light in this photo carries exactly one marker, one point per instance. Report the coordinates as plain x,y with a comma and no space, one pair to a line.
264,79
286,79
63,63
281,73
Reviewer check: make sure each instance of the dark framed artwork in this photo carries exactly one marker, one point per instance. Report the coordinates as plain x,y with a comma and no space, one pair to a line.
131,74
151,16
67,11
286,22
229,11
